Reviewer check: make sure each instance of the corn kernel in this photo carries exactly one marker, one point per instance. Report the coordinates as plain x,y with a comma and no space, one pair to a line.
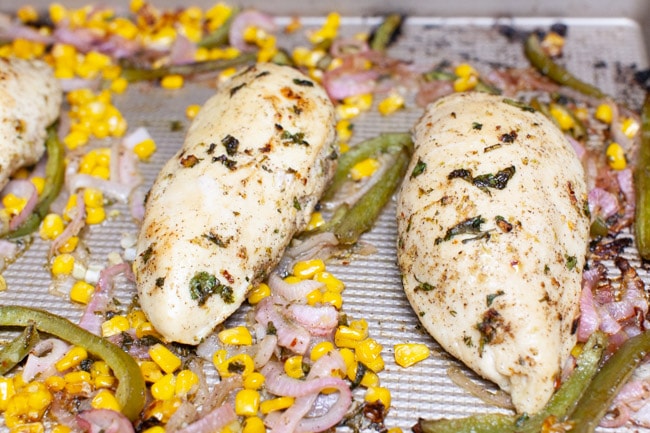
7,390
145,149
368,352
321,349
604,113
39,183
13,204
307,269
408,354
164,388
390,104
258,293
77,377
81,292
465,70
115,325
616,156
562,117
314,297
186,381
350,336
165,358
239,335
293,367
333,298
369,379
70,245
95,215
60,428
630,127
155,429
62,264
316,220
242,364
363,169
192,110
105,399
172,82
71,359
376,394
254,380
247,402
464,84
51,227
394,430
253,424
55,383
344,129
280,403
332,283
146,329
363,101
101,172
151,371
27,13
93,197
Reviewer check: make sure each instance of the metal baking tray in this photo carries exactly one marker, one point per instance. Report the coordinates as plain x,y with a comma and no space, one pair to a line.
615,40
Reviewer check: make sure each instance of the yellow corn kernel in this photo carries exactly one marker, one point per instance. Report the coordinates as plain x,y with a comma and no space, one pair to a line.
101,172
368,352
630,127
242,364
104,381
562,117
39,183
320,349
77,377
70,245
105,399
75,139
162,409
136,318
292,279
27,13
394,430
81,292
347,111
604,113
239,335
60,428
164,388
308,268
62,264
151,371
369,379
332,283
93,197
165,358
408,354
253,424
465,70
51,227
258,293
192,110
30,427
293,367
350,336
172,82
13,203
616,156
333,298
54,384
316,220
280,403
146,329
363,169
247,402
186,381
314,297
100,368
254,380
376,394
348,356
145,149
464,84
95,215
344,129
3,284
115,325
155,429
363,101
390,104
100,129
7,390
71,359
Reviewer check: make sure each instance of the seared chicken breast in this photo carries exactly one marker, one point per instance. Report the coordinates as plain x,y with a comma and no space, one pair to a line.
254,164
493,233
30,101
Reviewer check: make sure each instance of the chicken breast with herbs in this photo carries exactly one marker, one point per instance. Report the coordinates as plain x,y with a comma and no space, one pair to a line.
493,232
30,101
254,164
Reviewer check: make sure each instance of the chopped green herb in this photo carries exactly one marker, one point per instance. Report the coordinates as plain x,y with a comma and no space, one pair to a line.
477,126
297,138
231,144
146,254
175,126
469,226
492,296
425,287
518,104
419,168
468,341
296,203
571,262
300,82
215,239
485,181
236,367
203,285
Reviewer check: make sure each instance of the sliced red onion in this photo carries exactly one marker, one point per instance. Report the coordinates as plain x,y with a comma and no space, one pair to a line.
602,203
341,84
293,292
432,91
13,29
577,146
70,84
265,349
589,320
213,421
8,250
84,39
43,357
625,180
73,228
642,416
348,46
104,421
318,320
290,335
617,418
182,51
244,20
24,189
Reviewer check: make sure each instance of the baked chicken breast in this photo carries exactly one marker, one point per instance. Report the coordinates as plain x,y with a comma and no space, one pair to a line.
254,164
493,233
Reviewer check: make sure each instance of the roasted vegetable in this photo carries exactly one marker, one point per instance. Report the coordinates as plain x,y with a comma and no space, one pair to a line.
642,185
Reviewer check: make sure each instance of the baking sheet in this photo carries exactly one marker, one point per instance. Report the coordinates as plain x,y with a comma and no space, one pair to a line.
373,289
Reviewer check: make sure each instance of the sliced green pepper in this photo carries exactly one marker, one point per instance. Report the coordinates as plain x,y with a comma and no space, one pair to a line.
548,67
386,32
54,177
131,387
133,74
642,185
219,36
16,350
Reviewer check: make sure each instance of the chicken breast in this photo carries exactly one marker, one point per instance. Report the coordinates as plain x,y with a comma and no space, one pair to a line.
493,232
30,101
254,164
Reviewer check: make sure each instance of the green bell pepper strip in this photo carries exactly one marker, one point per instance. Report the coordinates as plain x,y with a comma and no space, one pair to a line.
131,386
547,66
219,36
604,387
385,32
54,177
642,185
438,75
132,74
561,403
16,350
